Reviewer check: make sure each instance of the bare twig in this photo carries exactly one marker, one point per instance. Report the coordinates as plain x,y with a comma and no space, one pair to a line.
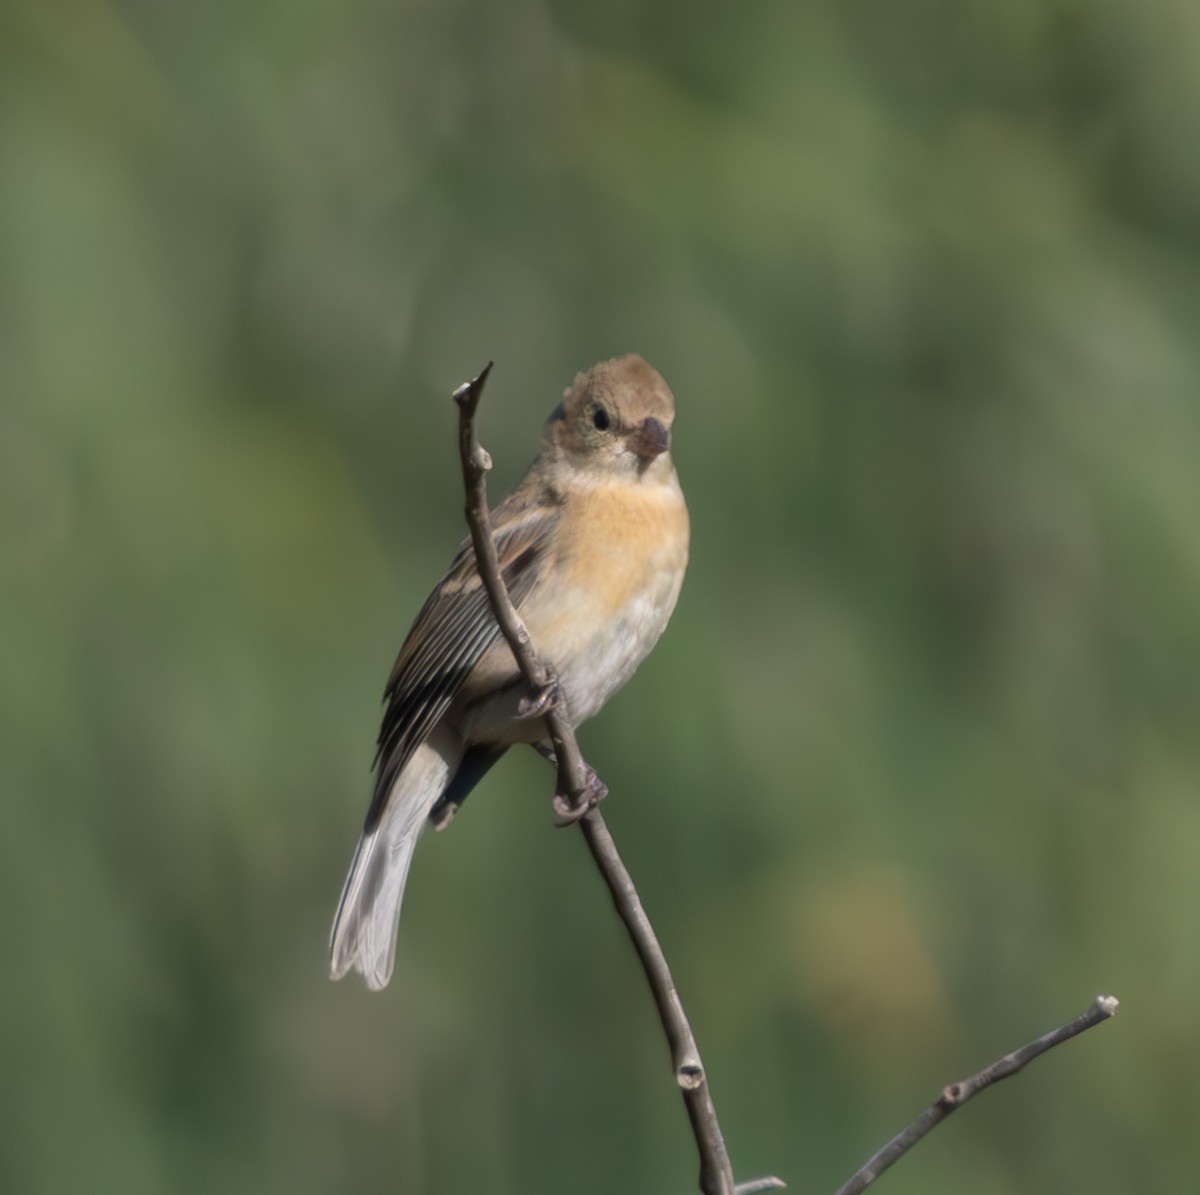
577,787
957,1094
475,465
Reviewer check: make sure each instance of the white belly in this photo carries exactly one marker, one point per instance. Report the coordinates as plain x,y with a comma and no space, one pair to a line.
594,667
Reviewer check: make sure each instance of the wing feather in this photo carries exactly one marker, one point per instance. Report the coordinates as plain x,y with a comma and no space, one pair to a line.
451,634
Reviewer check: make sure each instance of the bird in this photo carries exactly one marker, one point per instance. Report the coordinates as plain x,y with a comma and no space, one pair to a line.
593,547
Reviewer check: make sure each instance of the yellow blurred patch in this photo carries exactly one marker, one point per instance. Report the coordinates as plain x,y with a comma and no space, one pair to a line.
860,957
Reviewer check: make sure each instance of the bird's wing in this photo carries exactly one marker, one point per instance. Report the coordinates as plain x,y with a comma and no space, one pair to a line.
453,630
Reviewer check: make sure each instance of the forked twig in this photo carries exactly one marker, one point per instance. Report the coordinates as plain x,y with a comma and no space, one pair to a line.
576,786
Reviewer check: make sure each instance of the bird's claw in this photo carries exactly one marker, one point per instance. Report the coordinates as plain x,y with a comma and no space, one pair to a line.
568,812
539,704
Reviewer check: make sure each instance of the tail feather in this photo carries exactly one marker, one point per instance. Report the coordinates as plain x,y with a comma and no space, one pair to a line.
364,930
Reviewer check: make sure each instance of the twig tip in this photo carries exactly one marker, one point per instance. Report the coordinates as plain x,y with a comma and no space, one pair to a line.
768,1183
468,393
1108,1005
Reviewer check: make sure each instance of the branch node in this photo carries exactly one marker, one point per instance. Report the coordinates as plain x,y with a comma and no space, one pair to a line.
690,1075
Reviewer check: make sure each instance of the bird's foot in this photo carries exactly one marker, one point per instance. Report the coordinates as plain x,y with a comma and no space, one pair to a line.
567,812
539,704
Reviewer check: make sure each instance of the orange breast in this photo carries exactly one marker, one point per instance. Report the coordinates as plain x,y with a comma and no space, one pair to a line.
616,538
621,554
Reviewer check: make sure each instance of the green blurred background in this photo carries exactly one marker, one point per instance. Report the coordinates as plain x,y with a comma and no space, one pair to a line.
914,772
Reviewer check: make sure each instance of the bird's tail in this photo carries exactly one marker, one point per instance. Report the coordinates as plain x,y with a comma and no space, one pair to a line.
364,930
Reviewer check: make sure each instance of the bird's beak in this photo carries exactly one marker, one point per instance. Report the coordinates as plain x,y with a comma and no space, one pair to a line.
648,441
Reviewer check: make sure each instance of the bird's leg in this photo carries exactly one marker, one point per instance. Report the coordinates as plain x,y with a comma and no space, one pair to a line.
546,751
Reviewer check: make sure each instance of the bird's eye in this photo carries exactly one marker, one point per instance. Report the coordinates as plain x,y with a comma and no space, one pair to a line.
600,419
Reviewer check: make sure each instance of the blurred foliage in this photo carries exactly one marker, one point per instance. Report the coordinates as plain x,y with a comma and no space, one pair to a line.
914,772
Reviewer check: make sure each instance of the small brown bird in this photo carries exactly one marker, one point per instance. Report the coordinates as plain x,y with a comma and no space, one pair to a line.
593,544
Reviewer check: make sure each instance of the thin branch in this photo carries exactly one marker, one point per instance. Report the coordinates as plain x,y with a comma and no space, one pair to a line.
475,465
957,1094
578,789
